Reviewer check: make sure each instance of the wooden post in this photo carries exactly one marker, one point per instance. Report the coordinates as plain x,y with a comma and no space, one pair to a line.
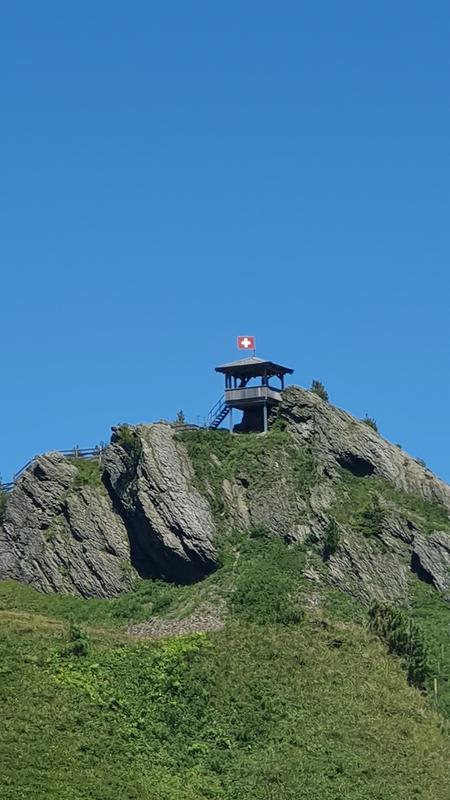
265,416
231,420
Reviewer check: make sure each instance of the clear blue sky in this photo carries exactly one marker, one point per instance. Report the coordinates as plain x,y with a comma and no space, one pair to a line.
176,173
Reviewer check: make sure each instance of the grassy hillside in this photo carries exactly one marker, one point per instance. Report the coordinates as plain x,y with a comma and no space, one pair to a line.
293,698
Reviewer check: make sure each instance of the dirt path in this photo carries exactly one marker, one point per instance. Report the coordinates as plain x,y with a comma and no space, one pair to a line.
207,618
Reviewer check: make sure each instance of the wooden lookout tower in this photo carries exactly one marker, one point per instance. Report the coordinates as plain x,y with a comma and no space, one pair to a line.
255,399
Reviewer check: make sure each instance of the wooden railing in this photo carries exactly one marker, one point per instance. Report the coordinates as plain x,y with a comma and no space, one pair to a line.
75,452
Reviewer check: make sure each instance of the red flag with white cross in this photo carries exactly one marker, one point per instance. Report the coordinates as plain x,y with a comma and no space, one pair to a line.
246,343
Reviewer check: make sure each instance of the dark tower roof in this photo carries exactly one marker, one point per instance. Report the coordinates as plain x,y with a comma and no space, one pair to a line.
253,368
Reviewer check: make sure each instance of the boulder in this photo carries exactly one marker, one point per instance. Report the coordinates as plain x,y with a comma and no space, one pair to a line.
61,538
170,523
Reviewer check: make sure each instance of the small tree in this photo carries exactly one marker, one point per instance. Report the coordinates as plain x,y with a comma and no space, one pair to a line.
318,388
331,539
371,423
403,637
79,643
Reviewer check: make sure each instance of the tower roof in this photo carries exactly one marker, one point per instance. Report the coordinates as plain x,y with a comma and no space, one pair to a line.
253,367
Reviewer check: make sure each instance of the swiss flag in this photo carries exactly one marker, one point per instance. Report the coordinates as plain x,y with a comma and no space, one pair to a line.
246,343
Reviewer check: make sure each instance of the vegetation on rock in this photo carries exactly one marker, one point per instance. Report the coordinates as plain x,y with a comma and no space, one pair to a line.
318,388
130,441
3,501
371,423
331,539
358,504
89,472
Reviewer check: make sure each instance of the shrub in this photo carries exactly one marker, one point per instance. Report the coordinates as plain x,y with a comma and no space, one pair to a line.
403,637
318,388
266,588
331,539
371,519
89,472
3,501
371,423
78,642
129,440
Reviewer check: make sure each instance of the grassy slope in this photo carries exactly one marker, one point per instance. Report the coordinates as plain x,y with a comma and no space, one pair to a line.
313,710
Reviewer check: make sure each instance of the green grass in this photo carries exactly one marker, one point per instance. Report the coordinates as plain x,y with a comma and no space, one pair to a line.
356,496
290,700
89,472
149,597
315,710
431,610
249,459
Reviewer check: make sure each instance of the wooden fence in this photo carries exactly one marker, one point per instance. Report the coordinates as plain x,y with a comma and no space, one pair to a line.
75,452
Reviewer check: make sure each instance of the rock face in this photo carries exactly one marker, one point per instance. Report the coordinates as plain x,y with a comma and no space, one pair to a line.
145,518
338,439
59,538
170,523
431,559
154,511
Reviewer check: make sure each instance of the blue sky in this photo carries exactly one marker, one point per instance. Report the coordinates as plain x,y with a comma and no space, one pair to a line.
175,174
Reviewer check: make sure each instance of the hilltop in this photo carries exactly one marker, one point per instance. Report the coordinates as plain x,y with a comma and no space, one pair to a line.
161,498
199,614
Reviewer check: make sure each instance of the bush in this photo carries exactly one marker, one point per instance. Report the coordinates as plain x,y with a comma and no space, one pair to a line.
318,388
403,637
3,501
78,642
129,440
371,423
267,586
371,519
89,472
331,539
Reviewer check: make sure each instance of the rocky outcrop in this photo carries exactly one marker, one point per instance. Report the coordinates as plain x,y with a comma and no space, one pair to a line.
61,538
376,567
144,517
365,572
431,559
338,439
170,523
154,512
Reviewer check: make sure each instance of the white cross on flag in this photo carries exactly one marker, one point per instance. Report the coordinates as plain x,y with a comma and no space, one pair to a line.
246,343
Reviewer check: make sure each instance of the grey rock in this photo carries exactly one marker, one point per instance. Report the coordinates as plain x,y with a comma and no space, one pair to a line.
59,538
169,521
365,571
149,518
431,559
338,439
